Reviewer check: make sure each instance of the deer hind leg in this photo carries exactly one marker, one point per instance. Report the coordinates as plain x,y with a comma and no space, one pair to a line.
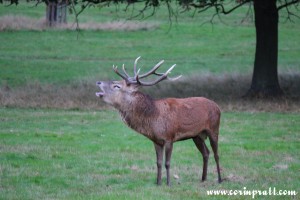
200,144
214,144
159,158
168,151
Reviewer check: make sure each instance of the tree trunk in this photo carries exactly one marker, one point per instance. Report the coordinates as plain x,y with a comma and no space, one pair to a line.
56,12
265,75
51,11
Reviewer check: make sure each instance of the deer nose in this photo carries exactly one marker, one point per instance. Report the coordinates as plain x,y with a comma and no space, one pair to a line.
98,83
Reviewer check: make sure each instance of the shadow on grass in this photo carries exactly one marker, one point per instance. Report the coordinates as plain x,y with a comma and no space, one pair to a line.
226,90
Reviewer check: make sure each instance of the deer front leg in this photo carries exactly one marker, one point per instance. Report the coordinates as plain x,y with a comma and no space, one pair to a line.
168,151
159,158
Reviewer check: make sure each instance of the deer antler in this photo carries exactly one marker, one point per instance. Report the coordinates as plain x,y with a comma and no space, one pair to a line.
136,78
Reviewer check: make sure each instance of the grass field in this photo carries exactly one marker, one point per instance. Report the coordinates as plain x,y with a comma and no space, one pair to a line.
57,141
54,154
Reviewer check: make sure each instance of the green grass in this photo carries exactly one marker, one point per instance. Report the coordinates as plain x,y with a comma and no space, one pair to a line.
61,57
54,154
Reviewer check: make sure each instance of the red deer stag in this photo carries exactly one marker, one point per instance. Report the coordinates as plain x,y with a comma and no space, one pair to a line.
164,121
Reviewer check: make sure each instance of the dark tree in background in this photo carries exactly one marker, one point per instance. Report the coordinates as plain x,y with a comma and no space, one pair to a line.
56,12
265,74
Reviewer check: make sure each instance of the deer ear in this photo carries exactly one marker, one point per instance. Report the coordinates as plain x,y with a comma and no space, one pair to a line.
133,87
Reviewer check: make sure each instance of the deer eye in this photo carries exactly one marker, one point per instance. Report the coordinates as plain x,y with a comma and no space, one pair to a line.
116,86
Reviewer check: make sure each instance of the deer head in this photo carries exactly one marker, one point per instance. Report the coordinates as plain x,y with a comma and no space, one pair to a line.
116,93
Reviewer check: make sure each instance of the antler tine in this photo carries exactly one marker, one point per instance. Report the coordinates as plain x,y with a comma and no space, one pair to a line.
124,70
136,75
162,77
152,71
175,78
115,68
169,71
134,66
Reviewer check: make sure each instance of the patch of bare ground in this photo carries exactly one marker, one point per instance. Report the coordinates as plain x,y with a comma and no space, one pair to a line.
226,90
281,166
18,22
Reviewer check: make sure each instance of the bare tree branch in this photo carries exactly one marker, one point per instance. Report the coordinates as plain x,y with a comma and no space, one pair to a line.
211,20
218,6
234,8
290,13
37,3
83,7
249,14
286,4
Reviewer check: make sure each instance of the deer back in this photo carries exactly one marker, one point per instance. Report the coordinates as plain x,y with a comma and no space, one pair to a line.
185,118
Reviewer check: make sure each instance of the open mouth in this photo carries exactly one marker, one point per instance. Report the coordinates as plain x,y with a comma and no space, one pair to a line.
101,93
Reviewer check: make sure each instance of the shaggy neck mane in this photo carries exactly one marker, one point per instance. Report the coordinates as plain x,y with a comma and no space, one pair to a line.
138,111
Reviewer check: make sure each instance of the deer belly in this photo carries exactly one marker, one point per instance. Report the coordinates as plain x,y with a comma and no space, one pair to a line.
185,135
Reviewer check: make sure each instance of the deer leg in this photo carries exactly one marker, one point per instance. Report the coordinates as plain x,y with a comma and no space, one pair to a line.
214,145
159,158
200,144
168,151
